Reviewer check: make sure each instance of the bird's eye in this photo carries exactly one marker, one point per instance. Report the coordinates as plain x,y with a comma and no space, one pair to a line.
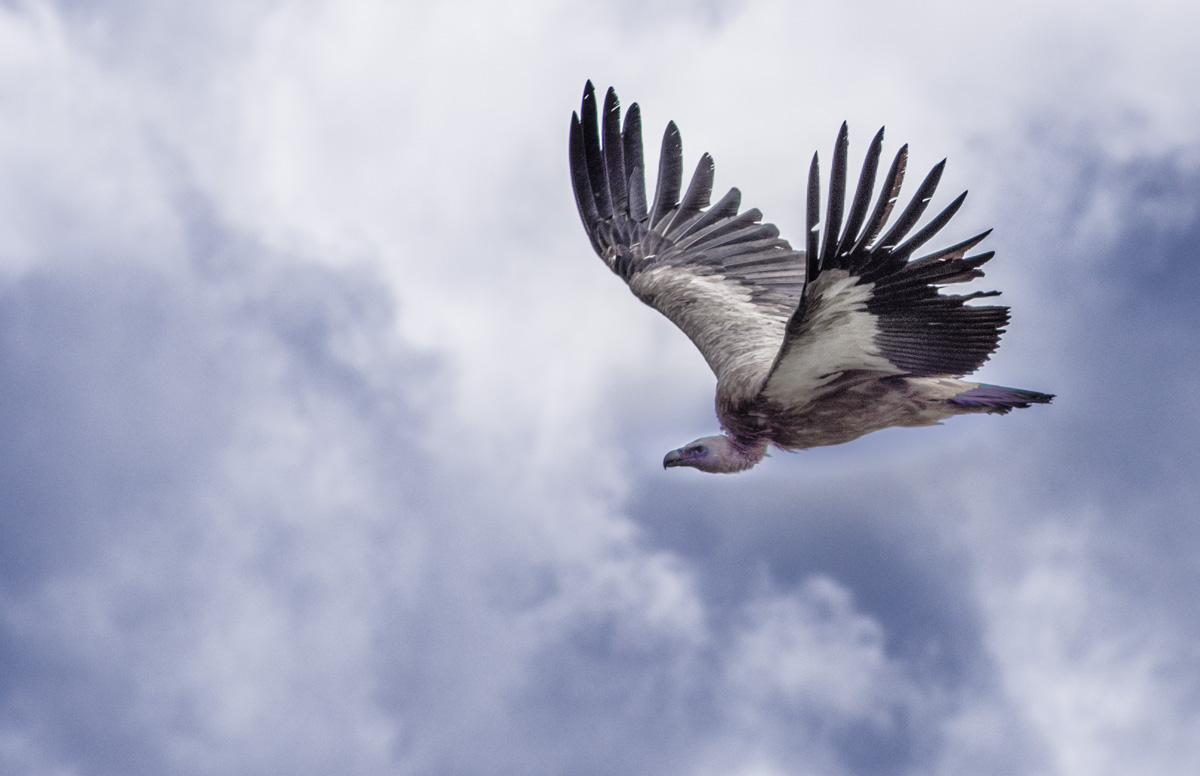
700,450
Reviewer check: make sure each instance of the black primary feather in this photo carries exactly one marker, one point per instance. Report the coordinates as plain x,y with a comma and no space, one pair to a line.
862,195
887,199
837,197
670,175
635,166
812,222
614,153
591,146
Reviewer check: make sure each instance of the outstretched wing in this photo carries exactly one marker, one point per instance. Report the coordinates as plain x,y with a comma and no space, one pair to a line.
727,280
868,308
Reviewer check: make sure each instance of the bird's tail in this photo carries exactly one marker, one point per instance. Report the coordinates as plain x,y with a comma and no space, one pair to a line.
997,398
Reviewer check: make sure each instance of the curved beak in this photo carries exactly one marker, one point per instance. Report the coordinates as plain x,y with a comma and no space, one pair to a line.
674,458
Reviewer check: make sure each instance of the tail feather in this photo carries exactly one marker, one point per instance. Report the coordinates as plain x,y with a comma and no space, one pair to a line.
997,398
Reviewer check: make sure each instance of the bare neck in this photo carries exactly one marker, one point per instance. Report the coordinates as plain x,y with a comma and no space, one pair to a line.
743,456
730,455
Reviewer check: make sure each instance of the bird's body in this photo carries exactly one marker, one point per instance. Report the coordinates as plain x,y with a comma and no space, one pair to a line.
810,348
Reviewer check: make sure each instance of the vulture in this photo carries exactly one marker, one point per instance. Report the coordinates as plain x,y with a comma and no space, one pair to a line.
810,347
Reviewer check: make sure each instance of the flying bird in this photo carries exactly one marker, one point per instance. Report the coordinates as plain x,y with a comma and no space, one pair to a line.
810,347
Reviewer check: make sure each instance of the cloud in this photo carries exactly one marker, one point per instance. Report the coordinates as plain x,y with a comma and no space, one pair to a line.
328,447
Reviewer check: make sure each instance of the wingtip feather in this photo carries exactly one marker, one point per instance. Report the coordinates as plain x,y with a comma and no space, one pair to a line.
837,196
812,244
862,194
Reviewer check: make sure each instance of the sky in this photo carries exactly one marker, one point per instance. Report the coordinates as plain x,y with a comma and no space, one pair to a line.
327,445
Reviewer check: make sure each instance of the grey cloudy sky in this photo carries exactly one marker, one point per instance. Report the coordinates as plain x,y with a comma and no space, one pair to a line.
328,446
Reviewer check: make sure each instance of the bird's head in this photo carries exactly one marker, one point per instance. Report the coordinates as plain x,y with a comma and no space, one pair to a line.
716,455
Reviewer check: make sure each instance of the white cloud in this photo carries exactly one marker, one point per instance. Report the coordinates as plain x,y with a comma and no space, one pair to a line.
811,655
321,401
814,649
1100,670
